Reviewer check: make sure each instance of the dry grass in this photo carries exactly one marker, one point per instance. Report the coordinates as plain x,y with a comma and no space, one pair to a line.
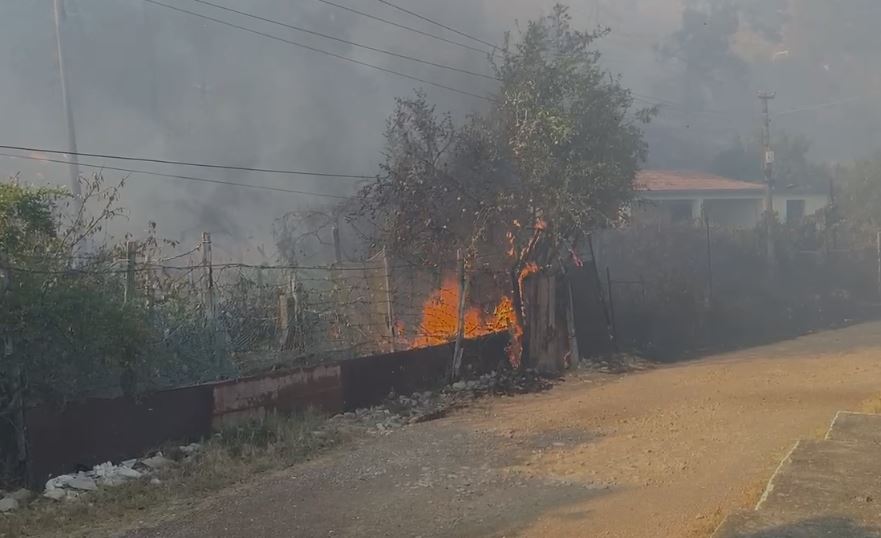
231,457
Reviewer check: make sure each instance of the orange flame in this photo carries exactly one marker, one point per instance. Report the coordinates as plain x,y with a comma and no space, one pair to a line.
440,317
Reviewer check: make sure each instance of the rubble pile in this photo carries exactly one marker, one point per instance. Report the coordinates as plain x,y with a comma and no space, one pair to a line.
619,363
71,486
398,411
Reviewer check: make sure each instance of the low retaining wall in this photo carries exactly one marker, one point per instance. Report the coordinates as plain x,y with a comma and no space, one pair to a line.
369,380
93,431
284,392
86,433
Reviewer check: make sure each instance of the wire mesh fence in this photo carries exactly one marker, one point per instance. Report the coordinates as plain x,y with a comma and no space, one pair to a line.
131,319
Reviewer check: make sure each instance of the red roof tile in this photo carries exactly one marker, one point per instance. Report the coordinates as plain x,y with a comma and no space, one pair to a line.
676,181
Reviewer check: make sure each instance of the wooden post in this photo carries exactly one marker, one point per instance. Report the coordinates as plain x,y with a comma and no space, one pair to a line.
709,261
612,323
460,318
390,310
574,353
283,324
599,287
209,277
131,252
191,279
337,245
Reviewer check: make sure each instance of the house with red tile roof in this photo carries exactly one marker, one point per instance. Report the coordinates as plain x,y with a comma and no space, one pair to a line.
681,196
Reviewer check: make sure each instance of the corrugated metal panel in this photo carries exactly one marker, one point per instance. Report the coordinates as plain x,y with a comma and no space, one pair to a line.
98,430
319,387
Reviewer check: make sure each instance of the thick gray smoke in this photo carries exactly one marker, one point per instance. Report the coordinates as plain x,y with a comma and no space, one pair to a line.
148,81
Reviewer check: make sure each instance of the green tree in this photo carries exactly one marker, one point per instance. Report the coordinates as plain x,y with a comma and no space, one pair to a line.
553,156
67,328
62,310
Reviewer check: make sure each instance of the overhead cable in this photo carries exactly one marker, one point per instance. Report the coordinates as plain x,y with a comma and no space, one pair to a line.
321,51
347,42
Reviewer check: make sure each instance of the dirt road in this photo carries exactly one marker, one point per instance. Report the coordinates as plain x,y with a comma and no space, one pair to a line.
660,453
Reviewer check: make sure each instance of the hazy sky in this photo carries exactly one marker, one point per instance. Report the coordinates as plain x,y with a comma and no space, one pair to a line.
148,81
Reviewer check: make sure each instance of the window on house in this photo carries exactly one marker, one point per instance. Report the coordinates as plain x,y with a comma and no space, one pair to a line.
795,211
680,211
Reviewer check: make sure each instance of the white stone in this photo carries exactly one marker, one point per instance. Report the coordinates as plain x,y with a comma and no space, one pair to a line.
55,494
127,472
156,462
83,483
8,504
59,481
103,469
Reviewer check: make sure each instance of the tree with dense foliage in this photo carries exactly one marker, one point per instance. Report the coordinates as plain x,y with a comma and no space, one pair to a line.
553,156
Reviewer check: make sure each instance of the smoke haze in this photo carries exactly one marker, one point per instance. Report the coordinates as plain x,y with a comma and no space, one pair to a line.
148,81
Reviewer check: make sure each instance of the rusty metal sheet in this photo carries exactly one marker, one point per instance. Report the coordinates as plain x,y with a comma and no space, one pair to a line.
97,430
285,392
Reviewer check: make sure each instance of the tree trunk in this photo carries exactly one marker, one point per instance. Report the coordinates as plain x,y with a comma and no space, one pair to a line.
517,302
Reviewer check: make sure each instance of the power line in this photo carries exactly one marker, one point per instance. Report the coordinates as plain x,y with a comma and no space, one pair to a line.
175,176
818,106
321,51
347,42
434,22
154,266
648,99
183,163
404,27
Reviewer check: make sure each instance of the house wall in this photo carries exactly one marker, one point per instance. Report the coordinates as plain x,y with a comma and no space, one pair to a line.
741,209
734,213
813,203
736,210
668,211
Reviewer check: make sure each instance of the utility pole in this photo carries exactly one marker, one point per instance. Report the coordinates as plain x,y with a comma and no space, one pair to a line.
58,12
768,168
